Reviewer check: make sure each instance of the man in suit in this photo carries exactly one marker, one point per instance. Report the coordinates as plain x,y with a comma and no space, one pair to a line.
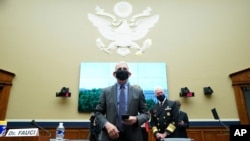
183,122
164,116
108,110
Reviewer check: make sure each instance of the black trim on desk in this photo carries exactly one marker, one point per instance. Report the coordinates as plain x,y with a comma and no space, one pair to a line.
213,123
15,124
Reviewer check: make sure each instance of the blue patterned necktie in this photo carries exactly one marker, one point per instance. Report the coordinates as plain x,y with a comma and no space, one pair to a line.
122,105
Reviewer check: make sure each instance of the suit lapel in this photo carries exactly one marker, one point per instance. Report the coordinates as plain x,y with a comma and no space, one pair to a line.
129,96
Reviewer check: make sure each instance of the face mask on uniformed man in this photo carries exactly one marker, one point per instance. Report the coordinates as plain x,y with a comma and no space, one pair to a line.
161,97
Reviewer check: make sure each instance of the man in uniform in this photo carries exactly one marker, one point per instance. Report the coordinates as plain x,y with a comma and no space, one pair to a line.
164,116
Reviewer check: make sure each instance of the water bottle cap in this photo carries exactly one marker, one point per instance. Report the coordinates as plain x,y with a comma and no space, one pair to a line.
61,124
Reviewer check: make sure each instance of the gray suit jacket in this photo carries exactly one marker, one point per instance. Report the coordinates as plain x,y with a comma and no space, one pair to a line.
106,110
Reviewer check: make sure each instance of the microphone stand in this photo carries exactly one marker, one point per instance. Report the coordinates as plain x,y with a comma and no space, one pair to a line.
216,117
33,122
224,125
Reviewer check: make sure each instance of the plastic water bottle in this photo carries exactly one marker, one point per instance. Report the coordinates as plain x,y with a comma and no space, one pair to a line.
60,132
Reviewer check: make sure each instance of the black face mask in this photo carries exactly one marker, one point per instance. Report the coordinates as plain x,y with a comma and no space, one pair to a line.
161,97
122,74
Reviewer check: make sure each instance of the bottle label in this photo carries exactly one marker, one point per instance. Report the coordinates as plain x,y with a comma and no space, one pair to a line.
60,131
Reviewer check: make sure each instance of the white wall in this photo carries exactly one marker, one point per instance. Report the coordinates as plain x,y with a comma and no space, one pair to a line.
44,42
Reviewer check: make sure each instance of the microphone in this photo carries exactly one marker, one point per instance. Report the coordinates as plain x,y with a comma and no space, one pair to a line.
33,122
216,116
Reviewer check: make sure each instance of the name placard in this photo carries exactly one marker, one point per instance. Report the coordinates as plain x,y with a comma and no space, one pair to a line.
22,132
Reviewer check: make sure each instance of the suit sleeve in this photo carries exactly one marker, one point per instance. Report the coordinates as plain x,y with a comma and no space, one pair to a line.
100,109
143,110
186,120
153,121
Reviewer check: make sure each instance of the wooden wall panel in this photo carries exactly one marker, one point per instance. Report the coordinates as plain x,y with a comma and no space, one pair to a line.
5,86
196,133
69,133
210,135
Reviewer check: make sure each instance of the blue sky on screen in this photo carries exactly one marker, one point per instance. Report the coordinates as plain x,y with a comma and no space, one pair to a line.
146,75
